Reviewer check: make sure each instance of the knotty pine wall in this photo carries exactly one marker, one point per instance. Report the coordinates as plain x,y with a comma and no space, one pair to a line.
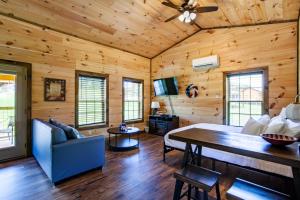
240,48
56,55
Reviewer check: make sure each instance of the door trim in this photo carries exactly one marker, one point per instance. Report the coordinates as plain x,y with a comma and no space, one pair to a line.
28,66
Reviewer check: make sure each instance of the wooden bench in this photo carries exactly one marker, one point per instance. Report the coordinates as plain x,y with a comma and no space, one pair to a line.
197,177
244,190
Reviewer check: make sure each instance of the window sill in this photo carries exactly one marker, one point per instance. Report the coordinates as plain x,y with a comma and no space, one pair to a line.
94,126
134,121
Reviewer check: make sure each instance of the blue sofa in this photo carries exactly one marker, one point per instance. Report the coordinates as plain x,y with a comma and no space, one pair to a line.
61,157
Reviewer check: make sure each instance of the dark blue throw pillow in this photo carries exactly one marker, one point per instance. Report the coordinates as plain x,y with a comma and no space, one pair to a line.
71,132
58,135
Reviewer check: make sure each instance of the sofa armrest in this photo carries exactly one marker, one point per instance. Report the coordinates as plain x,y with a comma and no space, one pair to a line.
76,156
41,144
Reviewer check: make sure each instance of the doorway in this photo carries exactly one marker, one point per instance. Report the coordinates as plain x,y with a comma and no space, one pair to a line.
13,111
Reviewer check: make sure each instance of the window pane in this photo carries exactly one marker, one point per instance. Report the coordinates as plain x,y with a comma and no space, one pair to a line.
133,99
234,119
245,108
256,94
91,100
256,108
234,93
245,97
234,107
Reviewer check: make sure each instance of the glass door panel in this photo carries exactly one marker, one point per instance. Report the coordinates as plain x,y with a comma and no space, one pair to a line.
13,111
7,109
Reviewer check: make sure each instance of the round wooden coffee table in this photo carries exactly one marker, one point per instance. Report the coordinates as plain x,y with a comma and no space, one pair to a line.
123,140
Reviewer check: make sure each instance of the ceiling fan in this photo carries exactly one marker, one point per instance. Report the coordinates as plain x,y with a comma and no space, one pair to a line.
188,10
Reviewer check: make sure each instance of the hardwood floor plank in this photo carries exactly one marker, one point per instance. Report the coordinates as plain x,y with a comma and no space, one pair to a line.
132,175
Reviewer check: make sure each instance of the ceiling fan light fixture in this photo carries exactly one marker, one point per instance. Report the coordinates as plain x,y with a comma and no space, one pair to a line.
186,14
181,18
188,20
193,16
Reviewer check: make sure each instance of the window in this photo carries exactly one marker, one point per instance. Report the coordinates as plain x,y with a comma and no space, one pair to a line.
245,96
91,100
133,100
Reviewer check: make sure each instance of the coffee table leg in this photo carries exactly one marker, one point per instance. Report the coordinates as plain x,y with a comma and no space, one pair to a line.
296,174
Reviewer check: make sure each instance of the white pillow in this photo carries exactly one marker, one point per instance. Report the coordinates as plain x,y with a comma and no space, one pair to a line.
283,113
292,128
253,127
265,120
275,126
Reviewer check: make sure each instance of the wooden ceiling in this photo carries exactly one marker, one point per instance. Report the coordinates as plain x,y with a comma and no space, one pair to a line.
138,26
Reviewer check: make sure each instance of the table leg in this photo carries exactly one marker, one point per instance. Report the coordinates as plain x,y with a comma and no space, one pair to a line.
109,141
199,154
296,174
191,153
186,155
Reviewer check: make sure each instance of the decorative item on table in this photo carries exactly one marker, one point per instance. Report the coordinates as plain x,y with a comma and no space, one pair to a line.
293,109
191,91
123,127
54,89
279,140
155,106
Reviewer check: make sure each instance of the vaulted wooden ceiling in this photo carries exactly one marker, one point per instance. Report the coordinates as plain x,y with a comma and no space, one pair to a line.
138,26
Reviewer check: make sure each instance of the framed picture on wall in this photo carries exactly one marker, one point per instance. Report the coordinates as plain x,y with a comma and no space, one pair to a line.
54,89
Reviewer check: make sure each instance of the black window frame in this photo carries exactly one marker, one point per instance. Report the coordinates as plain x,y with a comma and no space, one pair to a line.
265,87
140,81
91,75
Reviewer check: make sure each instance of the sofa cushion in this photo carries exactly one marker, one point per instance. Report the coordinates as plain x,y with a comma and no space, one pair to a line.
71,132
58,135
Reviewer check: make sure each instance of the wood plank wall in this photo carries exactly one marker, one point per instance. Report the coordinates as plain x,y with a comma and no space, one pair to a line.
298,46
240,48
56,55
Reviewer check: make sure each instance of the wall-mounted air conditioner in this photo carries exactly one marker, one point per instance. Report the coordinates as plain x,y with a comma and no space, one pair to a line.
206,62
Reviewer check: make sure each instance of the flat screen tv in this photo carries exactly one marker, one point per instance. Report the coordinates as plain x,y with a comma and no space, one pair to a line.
165,86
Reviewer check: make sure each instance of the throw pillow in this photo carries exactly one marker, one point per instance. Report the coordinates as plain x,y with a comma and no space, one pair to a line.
283,113
71,132
275,126
58,135
265,119
292,128
253,127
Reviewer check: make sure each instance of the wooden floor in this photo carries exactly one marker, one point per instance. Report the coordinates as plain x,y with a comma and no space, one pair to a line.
135,175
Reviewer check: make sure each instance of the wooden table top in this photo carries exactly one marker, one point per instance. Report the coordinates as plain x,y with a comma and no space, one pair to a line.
241,144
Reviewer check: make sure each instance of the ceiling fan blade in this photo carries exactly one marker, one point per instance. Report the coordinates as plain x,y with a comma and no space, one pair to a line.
191,2
173,17
170,4
206,9
195,3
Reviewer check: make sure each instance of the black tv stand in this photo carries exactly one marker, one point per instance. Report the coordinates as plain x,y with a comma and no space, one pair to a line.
162,124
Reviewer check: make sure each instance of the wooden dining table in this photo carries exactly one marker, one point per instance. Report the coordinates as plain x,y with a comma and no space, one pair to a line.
240,144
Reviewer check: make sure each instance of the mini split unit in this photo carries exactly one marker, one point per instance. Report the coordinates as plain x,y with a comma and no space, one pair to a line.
206,62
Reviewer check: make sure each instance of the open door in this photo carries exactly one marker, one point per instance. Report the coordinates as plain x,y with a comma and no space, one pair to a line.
13,111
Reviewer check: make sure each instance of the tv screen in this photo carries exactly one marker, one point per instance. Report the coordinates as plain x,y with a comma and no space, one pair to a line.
166,86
